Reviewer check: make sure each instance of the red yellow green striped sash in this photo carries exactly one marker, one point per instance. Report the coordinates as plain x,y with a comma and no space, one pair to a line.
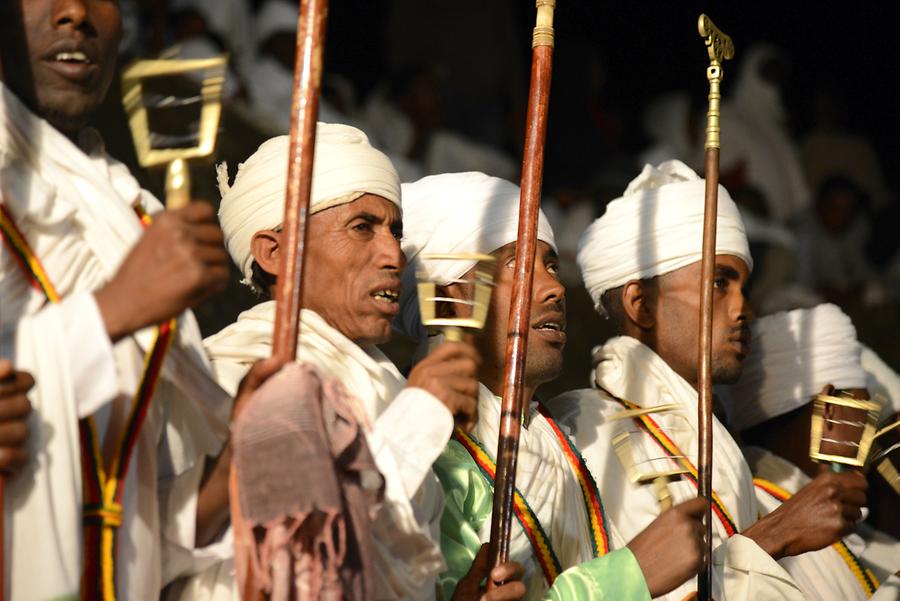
592,501
865,577
680,458
21,252
102,488
538,538
534,531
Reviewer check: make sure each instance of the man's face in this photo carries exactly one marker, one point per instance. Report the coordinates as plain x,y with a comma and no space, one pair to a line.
59,56
353,268
676,312
547,336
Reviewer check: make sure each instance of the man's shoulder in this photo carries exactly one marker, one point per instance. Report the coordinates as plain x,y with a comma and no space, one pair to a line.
574,401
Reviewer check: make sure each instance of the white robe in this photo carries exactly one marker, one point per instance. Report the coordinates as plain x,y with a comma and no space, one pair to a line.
632,371
823,574
76,209
406,428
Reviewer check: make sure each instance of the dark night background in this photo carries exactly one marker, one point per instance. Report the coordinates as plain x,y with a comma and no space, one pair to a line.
639,51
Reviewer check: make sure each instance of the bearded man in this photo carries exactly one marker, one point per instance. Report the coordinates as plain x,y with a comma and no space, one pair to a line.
90,295
794,356
641,266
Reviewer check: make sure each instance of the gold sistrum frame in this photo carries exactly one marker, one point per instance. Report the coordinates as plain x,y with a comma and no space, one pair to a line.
817,428
211,93
453,327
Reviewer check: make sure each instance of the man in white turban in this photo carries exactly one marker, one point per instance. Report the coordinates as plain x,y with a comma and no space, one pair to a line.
351,294
641,266
474,213
793,357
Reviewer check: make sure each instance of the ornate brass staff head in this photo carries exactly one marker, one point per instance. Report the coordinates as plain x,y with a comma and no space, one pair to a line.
842,429
152,88
476,309
720,48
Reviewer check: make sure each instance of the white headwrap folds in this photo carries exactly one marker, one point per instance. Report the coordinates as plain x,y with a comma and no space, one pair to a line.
456,213
345,167
656,227
793,355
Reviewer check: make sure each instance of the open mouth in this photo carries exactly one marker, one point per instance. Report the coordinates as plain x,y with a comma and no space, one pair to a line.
75,58
70,59
386,296
552,330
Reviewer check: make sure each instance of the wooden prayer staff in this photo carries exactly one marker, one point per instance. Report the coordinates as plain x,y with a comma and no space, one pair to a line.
719,47
512,409
289,288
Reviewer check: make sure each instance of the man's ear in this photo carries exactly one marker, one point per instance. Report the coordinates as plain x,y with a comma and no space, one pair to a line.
636,304
265,246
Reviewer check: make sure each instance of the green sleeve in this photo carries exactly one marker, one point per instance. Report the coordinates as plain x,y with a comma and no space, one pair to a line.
468,505
613,577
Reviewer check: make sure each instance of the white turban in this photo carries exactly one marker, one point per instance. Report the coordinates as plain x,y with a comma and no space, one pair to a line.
793,355
455,213
345,167
656,227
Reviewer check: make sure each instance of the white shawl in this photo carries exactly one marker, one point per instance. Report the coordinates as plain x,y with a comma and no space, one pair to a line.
407,428
632,371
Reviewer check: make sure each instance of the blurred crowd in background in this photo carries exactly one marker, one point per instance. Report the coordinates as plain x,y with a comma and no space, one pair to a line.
442,86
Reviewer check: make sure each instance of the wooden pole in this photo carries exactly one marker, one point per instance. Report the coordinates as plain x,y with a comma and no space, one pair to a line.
304,108
289,288
719,48
513,404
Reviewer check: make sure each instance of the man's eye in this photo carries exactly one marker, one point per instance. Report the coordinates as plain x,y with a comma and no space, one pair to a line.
398,235
720,283
553,268
363,226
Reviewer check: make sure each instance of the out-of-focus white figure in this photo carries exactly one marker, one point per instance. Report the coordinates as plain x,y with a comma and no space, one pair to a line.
757,149
669,123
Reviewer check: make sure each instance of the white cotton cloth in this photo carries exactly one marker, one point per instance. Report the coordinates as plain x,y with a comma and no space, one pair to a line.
882,382
406,429
276,16
656,227
630,370
793,355
824,575
76,209
455,213
345,167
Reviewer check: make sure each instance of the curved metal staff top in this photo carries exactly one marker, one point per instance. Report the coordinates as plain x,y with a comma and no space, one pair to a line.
719,47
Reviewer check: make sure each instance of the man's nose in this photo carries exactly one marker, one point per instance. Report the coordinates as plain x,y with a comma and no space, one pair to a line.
742,309
72,13
389,254
547,287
